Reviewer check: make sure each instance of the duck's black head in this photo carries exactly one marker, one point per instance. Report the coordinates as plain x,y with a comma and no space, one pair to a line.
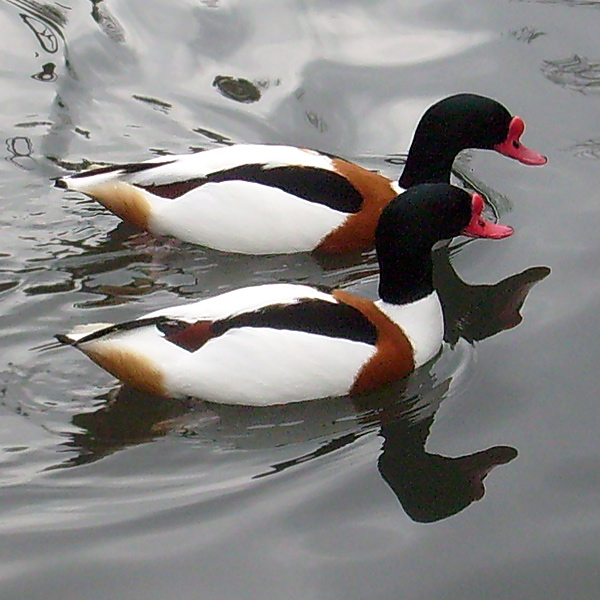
410,226
459,122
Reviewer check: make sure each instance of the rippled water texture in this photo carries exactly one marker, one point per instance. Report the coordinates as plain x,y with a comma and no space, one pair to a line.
107,493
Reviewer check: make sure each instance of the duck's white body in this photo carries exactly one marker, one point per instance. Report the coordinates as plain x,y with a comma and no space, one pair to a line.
237,214
259,365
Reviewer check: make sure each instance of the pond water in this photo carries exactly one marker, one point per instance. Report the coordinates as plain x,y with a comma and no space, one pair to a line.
107,493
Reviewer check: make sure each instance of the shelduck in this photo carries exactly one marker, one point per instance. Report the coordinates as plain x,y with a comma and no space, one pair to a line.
281,343
261,199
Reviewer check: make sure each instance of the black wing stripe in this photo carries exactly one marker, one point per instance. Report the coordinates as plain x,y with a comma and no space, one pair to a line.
125,326
309,183
128,169
175,189
311,316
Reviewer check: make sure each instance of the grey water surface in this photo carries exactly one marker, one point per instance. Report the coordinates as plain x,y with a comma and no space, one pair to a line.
108,493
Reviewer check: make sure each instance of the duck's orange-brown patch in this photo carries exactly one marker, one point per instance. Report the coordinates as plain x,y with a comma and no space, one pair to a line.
124,200
129,367
394,357
357,232
190,337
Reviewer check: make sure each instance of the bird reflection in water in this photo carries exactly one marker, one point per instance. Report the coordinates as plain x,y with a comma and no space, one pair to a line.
477,312
431,487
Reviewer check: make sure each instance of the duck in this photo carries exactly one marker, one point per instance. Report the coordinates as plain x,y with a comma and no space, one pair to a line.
281,343
274,199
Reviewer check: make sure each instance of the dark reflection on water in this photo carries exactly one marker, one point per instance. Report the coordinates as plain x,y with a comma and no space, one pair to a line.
90,261
589,149
213,136
47,73
527,34
477,312
46,22
45,26
102,14
20,150
155,103
430,487
575,72
238,89
127,417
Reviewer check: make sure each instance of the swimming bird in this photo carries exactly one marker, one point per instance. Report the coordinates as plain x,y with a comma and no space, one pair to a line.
269,199
281,343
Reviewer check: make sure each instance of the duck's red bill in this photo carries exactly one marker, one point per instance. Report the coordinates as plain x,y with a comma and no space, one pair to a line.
481,227
513,148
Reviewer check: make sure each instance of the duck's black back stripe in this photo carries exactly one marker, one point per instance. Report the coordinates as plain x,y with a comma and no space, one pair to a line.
309,183
314,316
319,317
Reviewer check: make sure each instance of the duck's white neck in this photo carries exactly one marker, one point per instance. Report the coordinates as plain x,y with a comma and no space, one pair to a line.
422,322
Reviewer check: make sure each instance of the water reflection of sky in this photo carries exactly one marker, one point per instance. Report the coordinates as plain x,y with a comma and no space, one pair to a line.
351,36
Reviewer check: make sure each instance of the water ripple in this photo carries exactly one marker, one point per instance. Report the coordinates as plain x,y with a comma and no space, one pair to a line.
575,72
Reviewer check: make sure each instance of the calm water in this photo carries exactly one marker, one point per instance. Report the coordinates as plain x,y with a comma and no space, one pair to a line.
110,494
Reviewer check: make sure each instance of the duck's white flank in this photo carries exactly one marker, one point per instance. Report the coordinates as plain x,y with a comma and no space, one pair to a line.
245,217
422,322
261,366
